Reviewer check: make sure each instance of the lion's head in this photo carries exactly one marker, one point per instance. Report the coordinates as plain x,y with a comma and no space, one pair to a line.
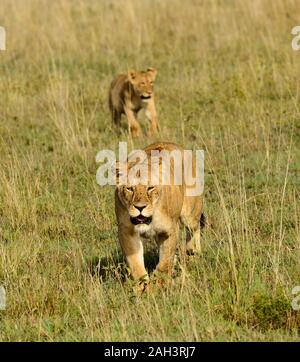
138,191
142,83
140,201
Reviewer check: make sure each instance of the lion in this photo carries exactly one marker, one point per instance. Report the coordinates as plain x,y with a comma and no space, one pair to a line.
129,93
155,210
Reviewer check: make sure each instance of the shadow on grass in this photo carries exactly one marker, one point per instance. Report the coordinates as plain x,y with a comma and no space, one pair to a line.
115,267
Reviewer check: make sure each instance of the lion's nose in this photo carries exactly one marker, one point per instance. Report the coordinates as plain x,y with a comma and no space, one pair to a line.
140,208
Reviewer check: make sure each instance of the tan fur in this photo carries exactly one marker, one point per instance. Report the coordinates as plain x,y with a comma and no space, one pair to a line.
169,207
129,93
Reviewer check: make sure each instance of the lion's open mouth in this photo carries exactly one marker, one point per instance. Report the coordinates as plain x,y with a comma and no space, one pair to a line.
145,97
141,220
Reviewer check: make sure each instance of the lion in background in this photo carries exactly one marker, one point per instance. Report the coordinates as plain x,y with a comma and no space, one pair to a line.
129,93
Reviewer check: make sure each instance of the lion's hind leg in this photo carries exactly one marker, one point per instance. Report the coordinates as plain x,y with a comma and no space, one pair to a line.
193,245
191,223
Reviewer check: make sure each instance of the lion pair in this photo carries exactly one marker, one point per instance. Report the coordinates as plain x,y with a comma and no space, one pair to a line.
150,210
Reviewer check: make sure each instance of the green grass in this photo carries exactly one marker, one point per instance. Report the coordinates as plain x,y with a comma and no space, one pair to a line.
228,83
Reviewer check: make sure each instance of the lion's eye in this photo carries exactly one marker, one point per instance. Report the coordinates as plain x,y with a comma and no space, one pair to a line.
130,189
150,188
142,84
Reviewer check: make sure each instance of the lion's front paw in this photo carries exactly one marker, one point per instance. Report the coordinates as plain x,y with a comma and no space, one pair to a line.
142,285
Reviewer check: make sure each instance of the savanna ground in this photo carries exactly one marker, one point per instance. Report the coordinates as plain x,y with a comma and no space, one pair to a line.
228,83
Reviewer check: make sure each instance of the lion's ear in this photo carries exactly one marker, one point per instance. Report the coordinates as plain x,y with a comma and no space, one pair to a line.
152,72
131,76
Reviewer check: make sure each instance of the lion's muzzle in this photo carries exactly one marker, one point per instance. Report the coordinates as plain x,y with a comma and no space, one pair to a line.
141,220
147,97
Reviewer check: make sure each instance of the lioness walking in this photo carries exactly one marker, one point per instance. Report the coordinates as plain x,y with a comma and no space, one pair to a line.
128,94
156,211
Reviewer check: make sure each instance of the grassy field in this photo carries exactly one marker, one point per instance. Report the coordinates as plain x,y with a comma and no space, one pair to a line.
228,83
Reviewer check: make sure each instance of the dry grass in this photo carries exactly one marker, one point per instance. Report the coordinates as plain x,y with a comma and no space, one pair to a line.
228,83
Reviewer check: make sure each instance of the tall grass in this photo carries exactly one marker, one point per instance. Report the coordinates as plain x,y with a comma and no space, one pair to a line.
228,83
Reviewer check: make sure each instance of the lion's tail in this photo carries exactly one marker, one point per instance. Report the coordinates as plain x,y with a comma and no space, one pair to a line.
202,221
